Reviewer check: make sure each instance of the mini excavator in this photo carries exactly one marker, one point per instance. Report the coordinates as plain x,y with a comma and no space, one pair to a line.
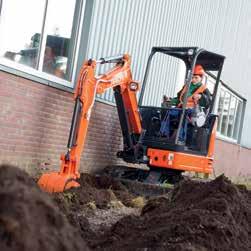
141,125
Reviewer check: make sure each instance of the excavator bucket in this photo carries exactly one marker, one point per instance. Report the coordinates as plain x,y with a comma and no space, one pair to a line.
57,182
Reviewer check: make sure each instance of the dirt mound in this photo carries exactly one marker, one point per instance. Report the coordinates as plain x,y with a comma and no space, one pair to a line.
101,201
28,218
195,216
198,216
95,192
97,199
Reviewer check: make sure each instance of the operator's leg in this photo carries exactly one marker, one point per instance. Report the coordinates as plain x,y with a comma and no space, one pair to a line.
184,127
190,127
165,126
183,131
174,122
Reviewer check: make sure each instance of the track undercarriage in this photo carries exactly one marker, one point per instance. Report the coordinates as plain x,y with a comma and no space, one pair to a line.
157,176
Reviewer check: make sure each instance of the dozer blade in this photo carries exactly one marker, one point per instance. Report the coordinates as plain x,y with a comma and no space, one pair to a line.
57,182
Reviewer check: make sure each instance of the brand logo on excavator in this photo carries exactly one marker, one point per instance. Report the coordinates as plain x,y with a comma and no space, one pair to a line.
119,77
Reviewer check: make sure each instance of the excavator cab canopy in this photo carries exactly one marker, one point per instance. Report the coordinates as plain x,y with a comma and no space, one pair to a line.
191,56
197,139
209,60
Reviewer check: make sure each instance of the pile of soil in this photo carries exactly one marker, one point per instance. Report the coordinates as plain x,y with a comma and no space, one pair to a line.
201,216
29,220
197,216
93,203
95,192
101,201
102,191
98,203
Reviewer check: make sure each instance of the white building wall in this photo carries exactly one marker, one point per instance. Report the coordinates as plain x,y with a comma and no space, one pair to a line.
134,26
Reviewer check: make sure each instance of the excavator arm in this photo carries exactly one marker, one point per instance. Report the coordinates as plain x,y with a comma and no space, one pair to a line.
120,79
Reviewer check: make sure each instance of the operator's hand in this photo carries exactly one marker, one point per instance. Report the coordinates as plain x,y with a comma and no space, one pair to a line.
196,98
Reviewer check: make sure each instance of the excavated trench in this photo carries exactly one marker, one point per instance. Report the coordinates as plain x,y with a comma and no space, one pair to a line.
106,214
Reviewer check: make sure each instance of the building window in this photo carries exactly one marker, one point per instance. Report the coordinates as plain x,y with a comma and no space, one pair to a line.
230,111
40,37
230,108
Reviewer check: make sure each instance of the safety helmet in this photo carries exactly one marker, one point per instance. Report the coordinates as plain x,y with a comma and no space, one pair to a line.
198,70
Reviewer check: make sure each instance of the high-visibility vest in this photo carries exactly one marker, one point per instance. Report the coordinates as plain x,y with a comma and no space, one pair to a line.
190,101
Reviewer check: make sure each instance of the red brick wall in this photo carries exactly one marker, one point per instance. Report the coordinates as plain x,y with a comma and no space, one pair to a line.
34,127
234,161
35,122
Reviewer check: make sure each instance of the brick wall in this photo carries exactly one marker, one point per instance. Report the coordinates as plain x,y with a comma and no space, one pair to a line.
234,161
35,122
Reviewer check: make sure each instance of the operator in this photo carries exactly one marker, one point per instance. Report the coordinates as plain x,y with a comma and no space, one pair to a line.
197,94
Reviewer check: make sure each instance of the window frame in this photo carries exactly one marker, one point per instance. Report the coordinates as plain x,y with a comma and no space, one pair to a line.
36,74
242,101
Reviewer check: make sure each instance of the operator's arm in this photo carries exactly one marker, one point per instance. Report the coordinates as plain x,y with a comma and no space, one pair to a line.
175,101
205,99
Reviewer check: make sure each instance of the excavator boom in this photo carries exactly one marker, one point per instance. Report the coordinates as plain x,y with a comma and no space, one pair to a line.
120,79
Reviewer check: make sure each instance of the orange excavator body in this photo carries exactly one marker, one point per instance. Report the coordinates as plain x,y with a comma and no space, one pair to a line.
139,146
